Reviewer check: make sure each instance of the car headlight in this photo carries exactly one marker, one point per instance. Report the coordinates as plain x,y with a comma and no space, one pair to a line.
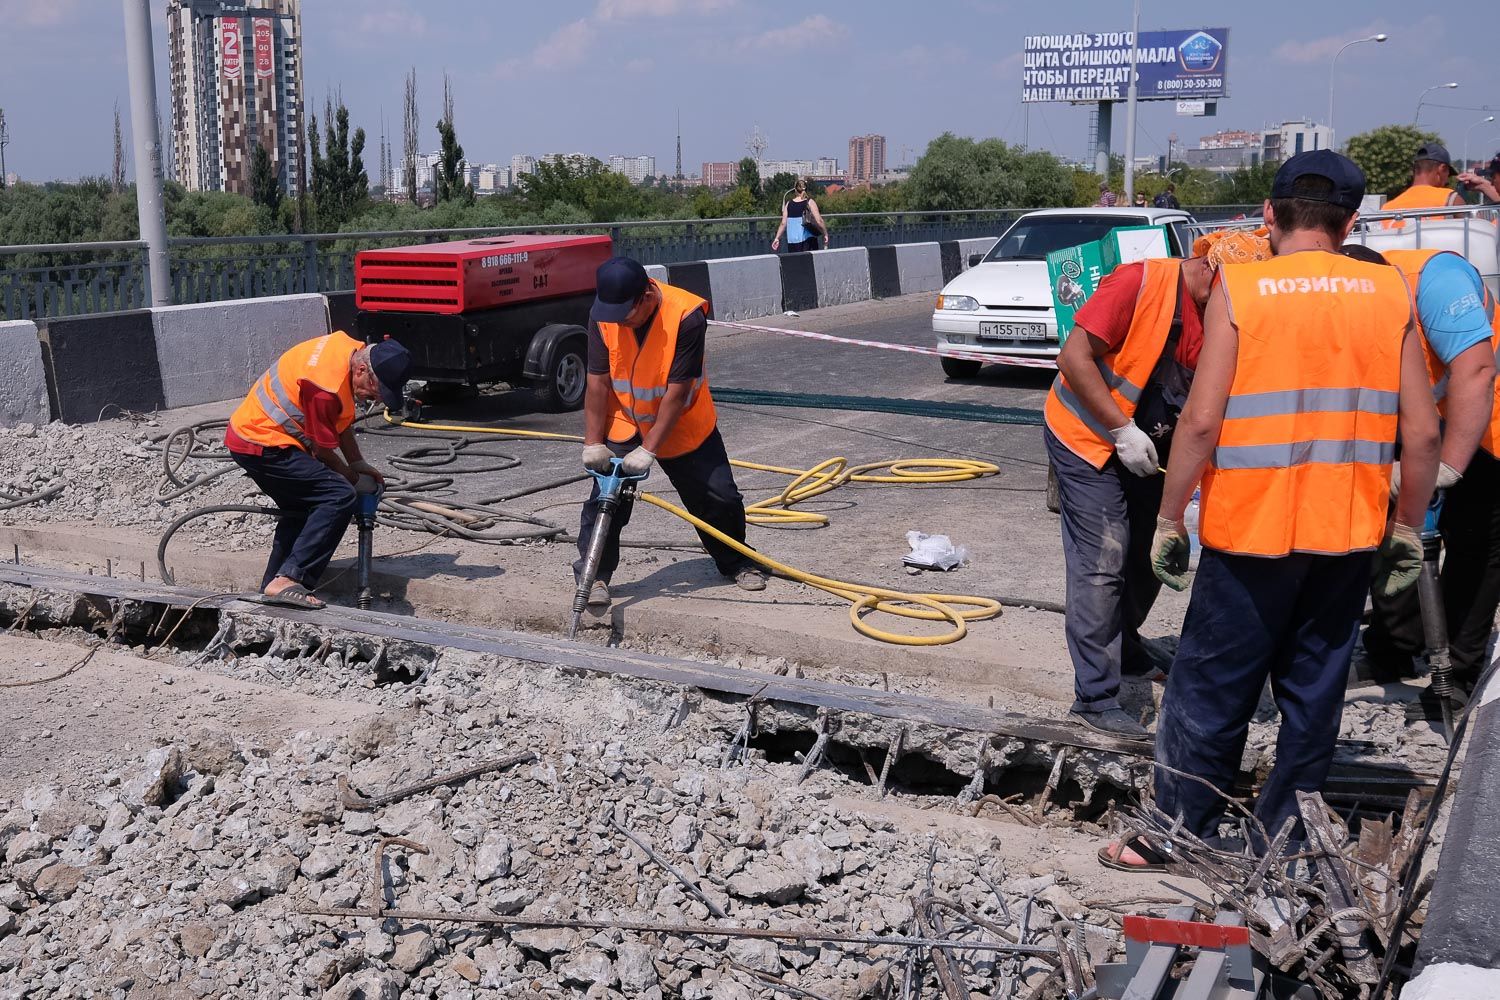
961,303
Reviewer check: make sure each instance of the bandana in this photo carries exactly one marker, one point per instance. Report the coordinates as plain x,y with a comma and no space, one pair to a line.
1233,246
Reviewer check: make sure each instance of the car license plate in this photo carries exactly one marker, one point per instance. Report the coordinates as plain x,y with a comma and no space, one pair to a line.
1013,331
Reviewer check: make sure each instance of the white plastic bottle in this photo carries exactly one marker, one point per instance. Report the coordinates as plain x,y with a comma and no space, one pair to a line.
1190,522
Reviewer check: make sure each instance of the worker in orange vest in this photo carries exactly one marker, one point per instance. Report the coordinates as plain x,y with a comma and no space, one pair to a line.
1432,172
648,401
1291,426
293,435
1123,375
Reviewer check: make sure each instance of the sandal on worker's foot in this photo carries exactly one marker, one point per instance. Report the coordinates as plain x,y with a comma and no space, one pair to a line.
751,578
1110,856
294,596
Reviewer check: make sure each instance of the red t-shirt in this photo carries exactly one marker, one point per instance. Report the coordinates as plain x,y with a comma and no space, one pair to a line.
1109,312
321,409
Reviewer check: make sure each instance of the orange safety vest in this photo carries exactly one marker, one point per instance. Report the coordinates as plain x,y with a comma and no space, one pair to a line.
1303,460
1411,263
270,415
638,372
1417,196
1125,369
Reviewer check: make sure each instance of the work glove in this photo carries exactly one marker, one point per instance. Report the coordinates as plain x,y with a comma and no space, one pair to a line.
1170,550
638,462
363,468
1136,449
1399,561
1447,476
597,457
367,484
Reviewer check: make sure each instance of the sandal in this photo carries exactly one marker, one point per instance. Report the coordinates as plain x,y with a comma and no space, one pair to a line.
1109,856
294,596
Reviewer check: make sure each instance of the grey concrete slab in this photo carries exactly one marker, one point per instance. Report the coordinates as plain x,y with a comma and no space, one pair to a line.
920,266
981,244
101,363
657,271
745,287
213,351
23,380
843,275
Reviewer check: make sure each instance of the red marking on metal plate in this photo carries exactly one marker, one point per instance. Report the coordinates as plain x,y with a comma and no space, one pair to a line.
1191,933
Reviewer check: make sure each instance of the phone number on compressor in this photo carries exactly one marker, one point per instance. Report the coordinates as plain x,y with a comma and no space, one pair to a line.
1192,83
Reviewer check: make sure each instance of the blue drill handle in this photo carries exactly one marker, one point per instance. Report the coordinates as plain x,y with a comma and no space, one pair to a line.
1434,511
611,482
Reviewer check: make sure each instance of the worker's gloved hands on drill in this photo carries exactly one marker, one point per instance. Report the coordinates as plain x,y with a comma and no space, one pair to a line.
638,462
1170,550
1136,449
1399,561
1447,476
366,483
597,457
363,468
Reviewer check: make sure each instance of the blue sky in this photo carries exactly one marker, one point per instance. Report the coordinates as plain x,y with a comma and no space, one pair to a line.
608,76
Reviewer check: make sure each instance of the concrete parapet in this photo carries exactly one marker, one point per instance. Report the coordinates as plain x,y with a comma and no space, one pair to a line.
799,281
692,276
981,244
843,276
99,362
920,267
23,378
214,351
745,287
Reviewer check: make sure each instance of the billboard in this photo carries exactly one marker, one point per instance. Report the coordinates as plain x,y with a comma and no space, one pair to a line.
231,48
1187,64
265,48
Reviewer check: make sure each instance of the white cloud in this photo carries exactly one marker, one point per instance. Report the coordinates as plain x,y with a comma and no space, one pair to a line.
1422,36
565,48
39,13
816,30
620,10
392,23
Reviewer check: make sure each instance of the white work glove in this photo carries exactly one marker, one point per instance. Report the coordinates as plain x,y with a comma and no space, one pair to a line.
363,468
597,457
1136,449
1447,476
638,462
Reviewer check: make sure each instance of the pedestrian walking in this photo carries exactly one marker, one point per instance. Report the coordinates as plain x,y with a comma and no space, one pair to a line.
801,222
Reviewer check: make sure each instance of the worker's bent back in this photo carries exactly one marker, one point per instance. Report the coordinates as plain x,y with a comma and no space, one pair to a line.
270,415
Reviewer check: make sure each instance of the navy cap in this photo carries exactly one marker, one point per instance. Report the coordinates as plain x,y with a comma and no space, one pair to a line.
390,362
1436,152
1343,173
619,284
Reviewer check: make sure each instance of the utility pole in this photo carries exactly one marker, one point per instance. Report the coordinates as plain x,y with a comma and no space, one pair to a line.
146,140
1130,103
4,141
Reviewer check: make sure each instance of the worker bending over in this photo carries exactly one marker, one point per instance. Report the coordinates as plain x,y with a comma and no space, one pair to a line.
647,401
284,436
1460,331
1122,379
1291,425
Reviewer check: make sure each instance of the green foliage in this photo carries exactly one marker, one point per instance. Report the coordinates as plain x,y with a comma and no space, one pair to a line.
595,193
958,173
1247,185
265,186
1385,155
340,187
748,177
451,185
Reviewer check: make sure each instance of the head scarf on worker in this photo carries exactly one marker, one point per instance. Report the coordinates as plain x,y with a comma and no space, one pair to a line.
1233,246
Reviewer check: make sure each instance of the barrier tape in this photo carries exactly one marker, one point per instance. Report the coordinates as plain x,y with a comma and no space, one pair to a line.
989,359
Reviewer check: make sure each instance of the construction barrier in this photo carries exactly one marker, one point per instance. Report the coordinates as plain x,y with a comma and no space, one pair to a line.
101,362
23,379
214,351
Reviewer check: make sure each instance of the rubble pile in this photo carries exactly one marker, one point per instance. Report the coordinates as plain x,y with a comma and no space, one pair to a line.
185,869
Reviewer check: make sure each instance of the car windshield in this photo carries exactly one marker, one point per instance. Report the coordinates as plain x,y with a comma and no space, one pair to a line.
1033,238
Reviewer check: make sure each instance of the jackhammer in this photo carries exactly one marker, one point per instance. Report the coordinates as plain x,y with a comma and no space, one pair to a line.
1435,617
614,488
368,491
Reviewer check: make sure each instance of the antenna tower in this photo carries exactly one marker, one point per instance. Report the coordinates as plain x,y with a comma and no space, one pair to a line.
757,144
679,144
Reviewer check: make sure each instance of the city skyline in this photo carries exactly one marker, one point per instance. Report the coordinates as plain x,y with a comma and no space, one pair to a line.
564,77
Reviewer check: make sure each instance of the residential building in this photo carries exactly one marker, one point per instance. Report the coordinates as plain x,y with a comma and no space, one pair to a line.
521,164
866,158
576,160
235,74
492,178
635,168
1219,159
427,169
1229,139
1290,138
721,174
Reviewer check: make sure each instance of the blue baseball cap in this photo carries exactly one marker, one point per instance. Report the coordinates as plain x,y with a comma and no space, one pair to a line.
390,362
618,286
1343,173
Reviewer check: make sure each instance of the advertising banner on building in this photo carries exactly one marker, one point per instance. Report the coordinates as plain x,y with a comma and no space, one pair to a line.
1180,65
265,48
231,48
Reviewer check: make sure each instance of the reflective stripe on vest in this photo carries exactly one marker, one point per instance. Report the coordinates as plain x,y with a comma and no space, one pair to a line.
280,408
1125,369
1294,453
271,415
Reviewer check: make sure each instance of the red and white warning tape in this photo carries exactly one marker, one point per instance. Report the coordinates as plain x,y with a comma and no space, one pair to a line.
989,359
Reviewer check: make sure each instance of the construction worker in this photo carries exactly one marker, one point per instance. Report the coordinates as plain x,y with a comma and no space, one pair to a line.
284,436
1291,425
1432,170
1460,331
648,401
1123,375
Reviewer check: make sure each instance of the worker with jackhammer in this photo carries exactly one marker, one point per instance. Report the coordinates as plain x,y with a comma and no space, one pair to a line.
1123,375
1310,370
1460,331
293,435
648,402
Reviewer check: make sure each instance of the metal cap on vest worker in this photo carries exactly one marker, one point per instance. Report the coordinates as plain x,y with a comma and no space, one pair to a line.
619,284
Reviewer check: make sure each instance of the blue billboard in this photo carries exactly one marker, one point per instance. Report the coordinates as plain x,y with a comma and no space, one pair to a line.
1181,65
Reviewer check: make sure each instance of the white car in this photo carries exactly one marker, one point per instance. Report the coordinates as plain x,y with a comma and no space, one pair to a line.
1002,305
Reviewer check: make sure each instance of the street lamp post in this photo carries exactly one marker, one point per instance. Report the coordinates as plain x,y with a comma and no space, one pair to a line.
1334,69
1470,129
1130,106
1436,86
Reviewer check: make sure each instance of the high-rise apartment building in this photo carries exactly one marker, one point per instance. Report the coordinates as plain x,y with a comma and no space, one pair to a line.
521,164
236,82
635,168
866,158
720,175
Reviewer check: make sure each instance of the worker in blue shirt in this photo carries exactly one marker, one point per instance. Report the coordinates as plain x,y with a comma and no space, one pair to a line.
1456,316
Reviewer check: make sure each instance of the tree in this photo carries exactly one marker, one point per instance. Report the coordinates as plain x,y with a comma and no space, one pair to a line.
411,126
117,176
451,184
1247,185
265,185
748,177
1385,155
340,185
957,173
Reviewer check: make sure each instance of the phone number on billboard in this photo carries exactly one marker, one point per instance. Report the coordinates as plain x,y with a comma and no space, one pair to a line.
1191,83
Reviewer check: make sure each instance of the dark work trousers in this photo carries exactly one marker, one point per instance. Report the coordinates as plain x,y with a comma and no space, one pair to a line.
1293,619
316,504
1108,518
1470,525
704,482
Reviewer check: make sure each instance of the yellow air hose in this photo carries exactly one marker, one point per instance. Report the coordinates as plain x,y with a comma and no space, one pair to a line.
956,609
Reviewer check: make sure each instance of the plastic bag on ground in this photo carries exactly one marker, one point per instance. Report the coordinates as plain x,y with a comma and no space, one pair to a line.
934,551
